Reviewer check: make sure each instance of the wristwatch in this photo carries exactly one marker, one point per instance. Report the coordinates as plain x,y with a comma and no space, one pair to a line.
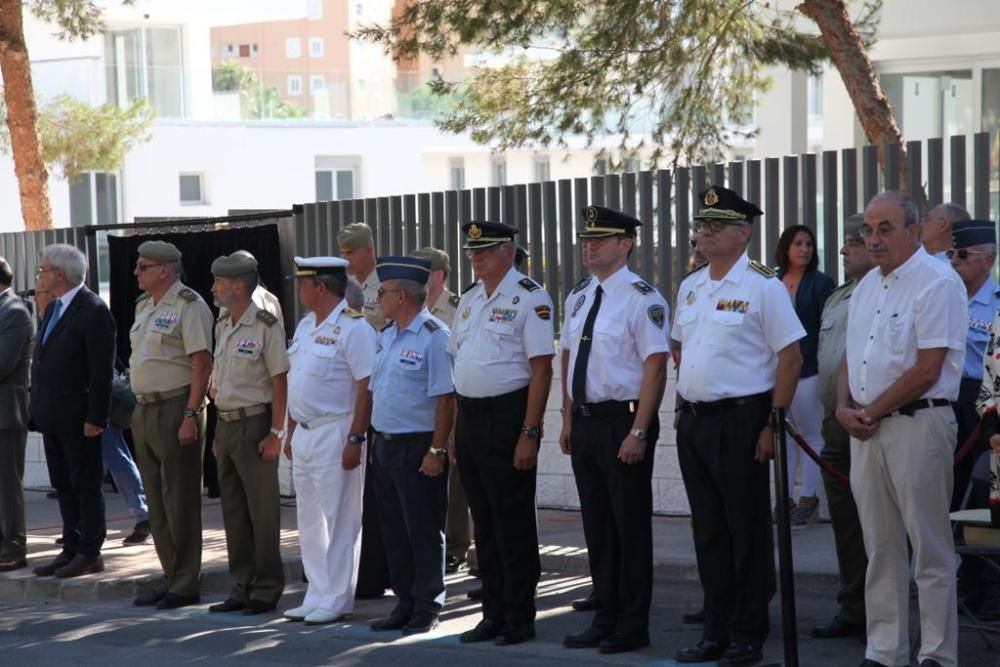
355,438
638,433
188,412
532,431
279,433
439,451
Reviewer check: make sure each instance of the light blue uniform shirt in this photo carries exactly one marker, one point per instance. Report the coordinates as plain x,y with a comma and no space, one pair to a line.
412,369
982,311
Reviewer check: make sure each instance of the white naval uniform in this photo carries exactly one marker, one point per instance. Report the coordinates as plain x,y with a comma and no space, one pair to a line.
326,362
902,476
494,337
632,323
723,357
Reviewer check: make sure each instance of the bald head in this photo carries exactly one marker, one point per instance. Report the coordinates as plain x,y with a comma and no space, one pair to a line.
935,232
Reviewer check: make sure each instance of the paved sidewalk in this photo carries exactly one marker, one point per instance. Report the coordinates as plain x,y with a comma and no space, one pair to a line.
130,569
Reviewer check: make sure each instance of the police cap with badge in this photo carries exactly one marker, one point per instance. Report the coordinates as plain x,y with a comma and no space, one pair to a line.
601,222
415,269
482,234
310,267
719,203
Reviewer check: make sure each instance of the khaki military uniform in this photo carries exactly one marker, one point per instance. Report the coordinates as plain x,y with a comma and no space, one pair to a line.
248,353
163,337
373,306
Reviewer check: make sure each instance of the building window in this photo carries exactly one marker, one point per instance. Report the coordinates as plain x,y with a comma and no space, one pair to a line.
230,49
931,104
457,169
317,83
191,189
359,9
361,85
499,170
293,47
244,50
542,169
253,49
314,9
294,84
337,178
93,199
148,63
315,47
814,99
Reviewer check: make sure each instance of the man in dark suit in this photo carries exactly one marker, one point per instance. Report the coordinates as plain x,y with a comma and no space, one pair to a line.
70,399
16,329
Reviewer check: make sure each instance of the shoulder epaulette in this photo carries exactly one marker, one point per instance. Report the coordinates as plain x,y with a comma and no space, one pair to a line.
142,297
763,269
453,300
643,287
187,294
267,318
695,270
431,325
470,287
848,284
582,285
350,312
529,284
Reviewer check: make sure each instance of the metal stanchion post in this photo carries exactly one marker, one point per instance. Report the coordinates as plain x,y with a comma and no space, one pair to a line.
786,577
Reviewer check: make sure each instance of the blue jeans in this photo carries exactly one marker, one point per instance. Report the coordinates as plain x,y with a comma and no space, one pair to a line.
118,461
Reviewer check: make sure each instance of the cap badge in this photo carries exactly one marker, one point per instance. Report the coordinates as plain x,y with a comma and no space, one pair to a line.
475,232
711,197
591,216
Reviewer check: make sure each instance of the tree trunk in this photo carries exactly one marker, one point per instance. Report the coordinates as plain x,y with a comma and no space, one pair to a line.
32,177
851,58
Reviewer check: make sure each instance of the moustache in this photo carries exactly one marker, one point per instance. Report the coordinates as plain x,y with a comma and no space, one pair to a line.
878,248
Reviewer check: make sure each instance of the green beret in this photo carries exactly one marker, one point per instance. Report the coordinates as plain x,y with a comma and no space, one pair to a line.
438,258
238,264
355,235
852,226
159,251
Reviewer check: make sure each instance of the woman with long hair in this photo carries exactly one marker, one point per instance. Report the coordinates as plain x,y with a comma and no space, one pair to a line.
808,289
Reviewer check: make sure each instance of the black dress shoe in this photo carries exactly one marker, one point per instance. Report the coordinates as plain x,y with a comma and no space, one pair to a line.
694,617
453,564
589,638
837,629
617,643
741,654
11,564
705,651
254,607
515,634
587,604
50,569
871,663
475,594
226,607
171,601
485,631
421,621
149,599
80,565
139,535
397,620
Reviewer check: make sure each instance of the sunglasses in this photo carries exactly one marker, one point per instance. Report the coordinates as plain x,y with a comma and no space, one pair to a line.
383,291
714,226
964,254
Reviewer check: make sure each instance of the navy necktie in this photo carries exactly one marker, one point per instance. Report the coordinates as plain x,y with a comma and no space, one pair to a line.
56,309
583,351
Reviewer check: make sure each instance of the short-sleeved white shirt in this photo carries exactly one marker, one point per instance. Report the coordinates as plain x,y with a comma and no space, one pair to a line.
494,337
632,323
731,331
327,359
920,305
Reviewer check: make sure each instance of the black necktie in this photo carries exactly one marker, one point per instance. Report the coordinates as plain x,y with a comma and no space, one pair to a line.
583,353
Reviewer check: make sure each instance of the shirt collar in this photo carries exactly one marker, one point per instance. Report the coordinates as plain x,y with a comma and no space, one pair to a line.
615,280
67,298
506,286
735,274
418,321
332,317
907,266
170,296
247,317
985,291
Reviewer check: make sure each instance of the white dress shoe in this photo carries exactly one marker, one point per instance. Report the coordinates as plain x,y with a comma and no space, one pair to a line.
298,613
321,616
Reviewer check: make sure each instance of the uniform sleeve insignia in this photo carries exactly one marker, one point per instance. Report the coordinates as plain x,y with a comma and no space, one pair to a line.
453,300
142,297
656,315
582,285
187,294
763,269
643,287
431,325
543,312
579,304
350,312
529,284
267,318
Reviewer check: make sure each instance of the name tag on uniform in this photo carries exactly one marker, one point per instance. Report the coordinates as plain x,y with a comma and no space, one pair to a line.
324,340
410,357
248,345
503,315
165,320
733,306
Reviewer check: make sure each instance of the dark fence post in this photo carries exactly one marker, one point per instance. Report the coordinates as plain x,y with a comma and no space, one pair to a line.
451,229
647,249
550,225
809,177
935,171
869,172
831,230
682,204
664,232
568,259
753,192
981,175
892,164
772,207
790,186
914,171
849,182
534,239
958,169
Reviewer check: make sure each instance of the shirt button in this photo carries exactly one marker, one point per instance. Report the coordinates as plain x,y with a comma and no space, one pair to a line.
871,338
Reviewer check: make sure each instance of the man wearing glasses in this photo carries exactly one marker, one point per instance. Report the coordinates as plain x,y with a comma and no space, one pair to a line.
906,331
739,358
170,365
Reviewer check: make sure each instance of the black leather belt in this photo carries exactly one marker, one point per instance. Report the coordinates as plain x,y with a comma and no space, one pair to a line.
715,407
605,408
488,403
910,409
404,436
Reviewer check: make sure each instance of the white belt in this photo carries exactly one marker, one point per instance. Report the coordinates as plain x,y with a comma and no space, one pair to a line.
320,421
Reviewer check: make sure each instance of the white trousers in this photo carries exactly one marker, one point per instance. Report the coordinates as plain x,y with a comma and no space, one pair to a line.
806,414
902,480
328,508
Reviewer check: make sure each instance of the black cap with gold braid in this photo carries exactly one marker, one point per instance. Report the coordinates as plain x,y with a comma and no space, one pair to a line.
485,234
719,203
602,222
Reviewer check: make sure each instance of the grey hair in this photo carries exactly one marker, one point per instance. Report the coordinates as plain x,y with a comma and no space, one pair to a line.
414,291
954,212
249,280
355,296
991,248
69,260
909,206
336,283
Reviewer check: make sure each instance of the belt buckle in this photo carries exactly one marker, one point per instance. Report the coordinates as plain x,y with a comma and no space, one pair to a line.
585,410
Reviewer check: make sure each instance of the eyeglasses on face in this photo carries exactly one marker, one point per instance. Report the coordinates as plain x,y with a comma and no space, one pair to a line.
963,253
883,230
39,271
714,226
383,291
141,268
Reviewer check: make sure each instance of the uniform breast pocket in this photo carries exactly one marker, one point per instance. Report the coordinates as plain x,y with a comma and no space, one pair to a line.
322,361
897,330
409,365
609,336
502,337
725,324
